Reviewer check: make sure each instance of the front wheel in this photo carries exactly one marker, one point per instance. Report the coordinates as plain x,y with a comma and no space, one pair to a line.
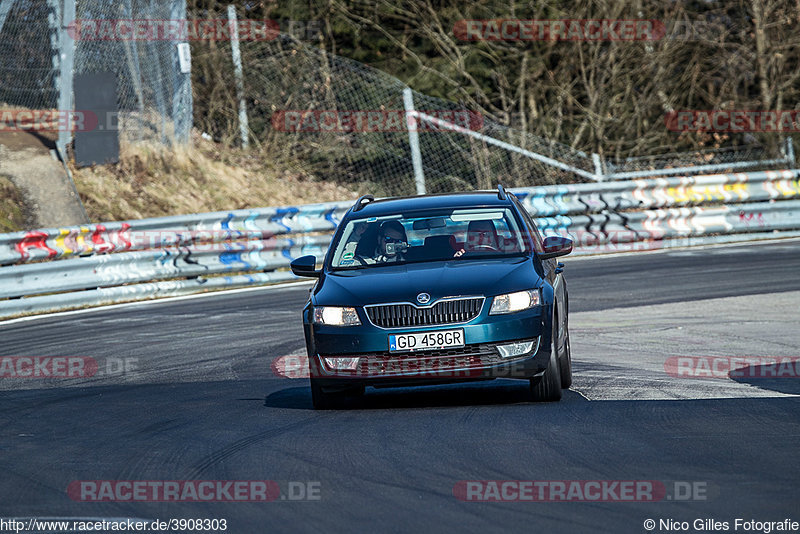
565,364
547,388
320,399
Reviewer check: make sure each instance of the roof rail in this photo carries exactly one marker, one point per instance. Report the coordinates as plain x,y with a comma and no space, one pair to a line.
359,203
501,192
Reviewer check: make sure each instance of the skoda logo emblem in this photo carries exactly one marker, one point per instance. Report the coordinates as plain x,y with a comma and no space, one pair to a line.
423,298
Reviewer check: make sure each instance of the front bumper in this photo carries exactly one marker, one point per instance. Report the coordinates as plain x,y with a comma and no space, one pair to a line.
478,359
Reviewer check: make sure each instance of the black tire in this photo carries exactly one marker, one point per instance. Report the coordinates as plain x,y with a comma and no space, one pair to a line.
331,401
320,399
565,364
547,388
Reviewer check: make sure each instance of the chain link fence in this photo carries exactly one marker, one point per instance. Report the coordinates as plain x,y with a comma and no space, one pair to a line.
154,96
29,50
285,78
714,160
469,159
291,86
291,89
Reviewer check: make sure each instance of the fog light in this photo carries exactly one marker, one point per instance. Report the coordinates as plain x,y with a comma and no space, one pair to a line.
342,364
515,349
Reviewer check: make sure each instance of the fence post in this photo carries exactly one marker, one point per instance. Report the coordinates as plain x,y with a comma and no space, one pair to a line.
66,67
182,102
789,151
413,140
239,75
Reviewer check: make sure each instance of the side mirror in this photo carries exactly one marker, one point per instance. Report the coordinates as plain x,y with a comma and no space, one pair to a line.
305,266
555,246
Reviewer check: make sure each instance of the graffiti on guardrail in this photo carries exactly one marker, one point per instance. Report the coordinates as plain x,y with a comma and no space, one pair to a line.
108,262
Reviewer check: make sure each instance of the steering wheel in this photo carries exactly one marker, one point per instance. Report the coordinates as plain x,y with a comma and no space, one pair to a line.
484,248
359,259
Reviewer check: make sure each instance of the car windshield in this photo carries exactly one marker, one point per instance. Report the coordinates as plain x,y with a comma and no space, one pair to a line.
445,235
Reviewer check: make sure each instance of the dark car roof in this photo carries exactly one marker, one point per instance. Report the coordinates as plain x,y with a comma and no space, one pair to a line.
389,206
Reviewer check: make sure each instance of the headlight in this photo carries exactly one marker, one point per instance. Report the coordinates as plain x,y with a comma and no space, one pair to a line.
514,302
336,316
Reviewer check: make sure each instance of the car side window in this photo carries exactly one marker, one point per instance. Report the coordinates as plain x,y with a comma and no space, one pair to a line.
537,238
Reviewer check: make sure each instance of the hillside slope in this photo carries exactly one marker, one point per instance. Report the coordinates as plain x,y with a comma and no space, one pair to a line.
153,181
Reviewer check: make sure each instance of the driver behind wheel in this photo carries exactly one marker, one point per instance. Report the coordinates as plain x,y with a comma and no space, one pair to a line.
481,236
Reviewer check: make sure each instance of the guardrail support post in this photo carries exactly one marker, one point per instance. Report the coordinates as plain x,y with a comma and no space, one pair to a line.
413,140
598,167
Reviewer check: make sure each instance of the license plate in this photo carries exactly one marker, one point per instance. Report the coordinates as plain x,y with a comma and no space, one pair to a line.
440,339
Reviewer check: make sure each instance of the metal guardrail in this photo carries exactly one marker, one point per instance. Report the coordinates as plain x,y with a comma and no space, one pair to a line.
111,295
660,193
143,266
101,263
264,224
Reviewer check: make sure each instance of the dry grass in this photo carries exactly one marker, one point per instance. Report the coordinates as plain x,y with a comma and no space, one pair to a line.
152,181
13,212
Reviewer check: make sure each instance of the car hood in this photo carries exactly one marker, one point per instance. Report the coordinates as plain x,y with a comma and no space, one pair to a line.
402,283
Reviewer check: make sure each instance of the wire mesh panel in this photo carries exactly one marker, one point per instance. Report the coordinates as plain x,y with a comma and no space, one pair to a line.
28,54
315,101
348,121
302,102
314,107
340,119
154,96
713,160
459,161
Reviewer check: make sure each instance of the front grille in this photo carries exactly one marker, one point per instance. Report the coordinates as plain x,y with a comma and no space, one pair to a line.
443,312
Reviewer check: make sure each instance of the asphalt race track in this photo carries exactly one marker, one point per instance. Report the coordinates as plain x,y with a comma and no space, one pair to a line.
184,391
